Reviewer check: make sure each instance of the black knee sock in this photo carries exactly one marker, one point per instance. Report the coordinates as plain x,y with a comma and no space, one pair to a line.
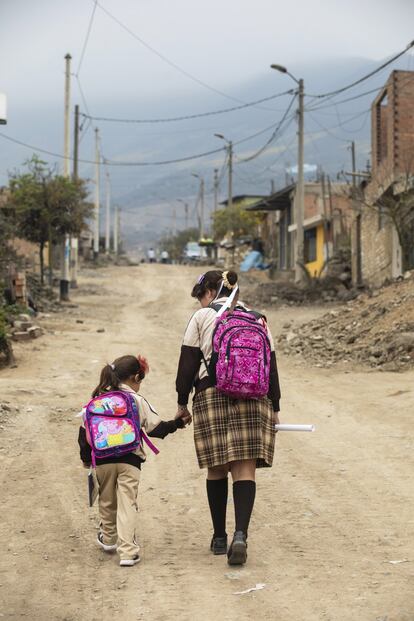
244,493
217,499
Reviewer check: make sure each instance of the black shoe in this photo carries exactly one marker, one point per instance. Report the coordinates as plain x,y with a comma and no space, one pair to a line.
237,553
219,545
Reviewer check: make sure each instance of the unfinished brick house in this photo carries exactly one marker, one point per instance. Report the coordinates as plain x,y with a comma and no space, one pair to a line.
392,141
327,223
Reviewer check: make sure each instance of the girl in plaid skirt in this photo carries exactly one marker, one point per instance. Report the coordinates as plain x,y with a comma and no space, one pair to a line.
231,435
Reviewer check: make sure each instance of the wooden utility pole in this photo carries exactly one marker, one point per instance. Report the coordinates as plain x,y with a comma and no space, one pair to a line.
325,216
74,259
116,231
96,211
357,211
108,215
300,189
65,248
216,187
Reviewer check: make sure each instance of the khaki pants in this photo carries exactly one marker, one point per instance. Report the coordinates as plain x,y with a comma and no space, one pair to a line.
118,491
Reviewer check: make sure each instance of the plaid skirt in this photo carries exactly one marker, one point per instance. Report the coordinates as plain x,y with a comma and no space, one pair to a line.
228,429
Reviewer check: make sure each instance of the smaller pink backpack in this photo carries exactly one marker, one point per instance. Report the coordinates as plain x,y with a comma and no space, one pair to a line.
240,362
113,426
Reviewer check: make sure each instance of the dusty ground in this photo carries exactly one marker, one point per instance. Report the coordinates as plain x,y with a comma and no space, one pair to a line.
330,516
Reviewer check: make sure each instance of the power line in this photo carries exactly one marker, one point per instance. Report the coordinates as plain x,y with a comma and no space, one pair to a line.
274,134
188,116
164,58
85,44
365,77
109,162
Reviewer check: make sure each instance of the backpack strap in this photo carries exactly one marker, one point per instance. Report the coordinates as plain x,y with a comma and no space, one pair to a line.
149,443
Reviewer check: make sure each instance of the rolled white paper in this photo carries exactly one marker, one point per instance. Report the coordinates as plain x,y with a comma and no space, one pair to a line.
281,427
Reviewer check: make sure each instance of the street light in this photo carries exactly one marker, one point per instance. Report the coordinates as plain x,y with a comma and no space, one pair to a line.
230,152
300,189
201,216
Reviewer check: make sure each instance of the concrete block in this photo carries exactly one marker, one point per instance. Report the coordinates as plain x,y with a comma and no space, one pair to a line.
21,336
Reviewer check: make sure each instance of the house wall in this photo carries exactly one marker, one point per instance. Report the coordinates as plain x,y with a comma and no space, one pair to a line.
315,267
377,249
392,156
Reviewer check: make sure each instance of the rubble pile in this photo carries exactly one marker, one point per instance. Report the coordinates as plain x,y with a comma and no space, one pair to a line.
24,329
329,289
375,329
41,297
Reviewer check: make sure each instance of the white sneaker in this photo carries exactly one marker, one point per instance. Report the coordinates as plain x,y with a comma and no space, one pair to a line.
104,546
129,562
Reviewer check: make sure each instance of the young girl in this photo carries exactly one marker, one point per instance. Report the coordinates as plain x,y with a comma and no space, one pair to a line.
231,435
118,477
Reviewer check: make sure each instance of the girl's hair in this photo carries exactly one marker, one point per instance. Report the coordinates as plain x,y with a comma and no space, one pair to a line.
112,375
212,280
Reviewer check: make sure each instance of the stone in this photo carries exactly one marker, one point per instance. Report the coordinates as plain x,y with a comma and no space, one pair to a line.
100,330
34,332
21,336
24,317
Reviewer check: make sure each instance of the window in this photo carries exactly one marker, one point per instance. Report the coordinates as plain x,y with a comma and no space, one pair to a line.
310,245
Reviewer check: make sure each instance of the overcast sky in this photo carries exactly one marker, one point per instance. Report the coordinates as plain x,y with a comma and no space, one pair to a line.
223,43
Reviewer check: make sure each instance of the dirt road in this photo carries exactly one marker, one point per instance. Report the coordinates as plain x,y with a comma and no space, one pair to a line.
330,516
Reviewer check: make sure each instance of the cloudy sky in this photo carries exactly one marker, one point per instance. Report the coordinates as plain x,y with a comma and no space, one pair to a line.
221,43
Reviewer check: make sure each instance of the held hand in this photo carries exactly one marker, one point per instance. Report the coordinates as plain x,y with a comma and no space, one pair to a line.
184,414
276,418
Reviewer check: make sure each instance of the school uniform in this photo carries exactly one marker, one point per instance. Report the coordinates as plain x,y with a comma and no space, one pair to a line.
225,429
118,479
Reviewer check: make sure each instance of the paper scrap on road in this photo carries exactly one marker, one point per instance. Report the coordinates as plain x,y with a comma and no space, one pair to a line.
404,560
286,427
258,587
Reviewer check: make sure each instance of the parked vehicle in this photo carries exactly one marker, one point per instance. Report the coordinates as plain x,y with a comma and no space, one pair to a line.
194,253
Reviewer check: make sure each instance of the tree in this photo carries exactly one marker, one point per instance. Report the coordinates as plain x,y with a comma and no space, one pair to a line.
47,206
235,219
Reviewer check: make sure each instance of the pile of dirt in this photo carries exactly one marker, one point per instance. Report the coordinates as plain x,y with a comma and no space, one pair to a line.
41,298
376,329
328,289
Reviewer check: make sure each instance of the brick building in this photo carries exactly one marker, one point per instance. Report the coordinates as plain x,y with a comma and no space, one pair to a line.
392,143
327,222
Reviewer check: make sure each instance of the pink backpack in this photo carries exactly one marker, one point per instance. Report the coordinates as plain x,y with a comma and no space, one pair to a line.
240,362
113,426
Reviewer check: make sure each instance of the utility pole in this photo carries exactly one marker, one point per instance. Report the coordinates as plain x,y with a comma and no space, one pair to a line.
357,210
74,260
300,186
174,222
230,197
108,215
201,207
96,214
65,249
216,187
116,231
325,215
186,214
300,190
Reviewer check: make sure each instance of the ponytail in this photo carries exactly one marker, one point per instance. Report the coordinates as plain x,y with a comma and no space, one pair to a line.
113,375
107,381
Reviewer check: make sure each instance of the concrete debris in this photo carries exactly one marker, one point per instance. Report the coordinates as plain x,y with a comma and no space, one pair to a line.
25,330
324,290
374,329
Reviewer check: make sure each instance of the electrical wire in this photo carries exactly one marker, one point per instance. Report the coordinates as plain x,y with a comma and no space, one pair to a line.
128,164
365,77
167,60
188,116
85,44
274,134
